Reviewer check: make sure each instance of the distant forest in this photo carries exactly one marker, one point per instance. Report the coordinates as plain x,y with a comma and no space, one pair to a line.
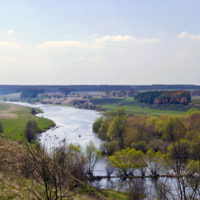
160,97
7,89
30,93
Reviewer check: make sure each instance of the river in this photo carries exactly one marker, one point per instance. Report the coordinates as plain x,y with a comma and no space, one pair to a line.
76,126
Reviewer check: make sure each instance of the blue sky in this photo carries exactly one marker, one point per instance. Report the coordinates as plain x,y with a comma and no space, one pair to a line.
99,42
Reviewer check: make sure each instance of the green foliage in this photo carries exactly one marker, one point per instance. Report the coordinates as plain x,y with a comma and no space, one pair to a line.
102,133
139,145
92,156
192,111
97,124
117,128
156,161
109,148
174,129
193,166
121,111
30,93
127,160
179,150
164,97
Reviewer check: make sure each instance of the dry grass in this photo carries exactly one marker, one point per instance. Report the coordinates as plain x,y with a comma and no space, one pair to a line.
8,113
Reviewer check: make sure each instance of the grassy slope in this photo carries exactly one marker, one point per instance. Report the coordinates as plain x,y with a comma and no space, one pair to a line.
141,108
13,128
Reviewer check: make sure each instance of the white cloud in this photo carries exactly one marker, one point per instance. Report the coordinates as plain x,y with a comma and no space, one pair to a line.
8,44
127,38
81,58
97,44
189,36
10,31
95,59
69,35
73,44
95,34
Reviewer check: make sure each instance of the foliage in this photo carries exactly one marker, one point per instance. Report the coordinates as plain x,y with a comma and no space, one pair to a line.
92,156
174,129
117,129
31,130
64,91
30,93
127,160
97,124
109,148
164,97
155,161
193,166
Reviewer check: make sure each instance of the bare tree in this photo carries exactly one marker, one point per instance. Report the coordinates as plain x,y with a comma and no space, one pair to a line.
50,175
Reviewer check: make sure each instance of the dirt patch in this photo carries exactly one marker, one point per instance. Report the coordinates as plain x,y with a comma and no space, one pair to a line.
7,114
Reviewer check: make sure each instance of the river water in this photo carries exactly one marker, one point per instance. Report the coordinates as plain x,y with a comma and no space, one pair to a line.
75,125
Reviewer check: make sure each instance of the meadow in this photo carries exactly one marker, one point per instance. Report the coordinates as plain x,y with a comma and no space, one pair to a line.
14,119
133,106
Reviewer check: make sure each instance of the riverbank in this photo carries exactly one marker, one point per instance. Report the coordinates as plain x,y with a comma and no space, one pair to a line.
15,117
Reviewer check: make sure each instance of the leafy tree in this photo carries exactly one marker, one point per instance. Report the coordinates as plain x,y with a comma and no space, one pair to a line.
117,129
127,160
174,129
102,132
97,124
92,156
121,111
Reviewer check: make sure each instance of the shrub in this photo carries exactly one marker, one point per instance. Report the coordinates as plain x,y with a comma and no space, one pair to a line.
29,134
32,124
1,128
97,124
139,145
109,148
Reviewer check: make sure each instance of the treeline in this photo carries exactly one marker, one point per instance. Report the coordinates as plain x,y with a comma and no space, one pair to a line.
160,97
145,132
195,93
30,94
6,89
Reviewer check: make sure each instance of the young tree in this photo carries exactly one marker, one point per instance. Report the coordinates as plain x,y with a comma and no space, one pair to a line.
92,157
127,160
51,177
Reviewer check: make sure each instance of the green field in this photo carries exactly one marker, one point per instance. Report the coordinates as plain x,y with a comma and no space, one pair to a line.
133,106
14,119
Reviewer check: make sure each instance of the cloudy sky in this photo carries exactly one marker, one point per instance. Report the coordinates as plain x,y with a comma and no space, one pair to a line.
133,42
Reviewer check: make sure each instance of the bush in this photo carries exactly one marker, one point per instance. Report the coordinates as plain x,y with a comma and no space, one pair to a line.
31,130
32,124
1,128
157,145
109,148
29,134
97,124
139,145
